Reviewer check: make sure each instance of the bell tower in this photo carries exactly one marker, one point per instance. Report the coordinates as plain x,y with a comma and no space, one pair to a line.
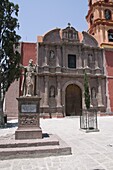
100,21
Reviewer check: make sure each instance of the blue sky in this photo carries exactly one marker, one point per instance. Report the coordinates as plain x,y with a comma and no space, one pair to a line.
36,17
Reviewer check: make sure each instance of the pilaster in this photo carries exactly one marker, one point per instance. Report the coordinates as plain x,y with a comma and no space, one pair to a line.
46,79
45,56
58,91
100,104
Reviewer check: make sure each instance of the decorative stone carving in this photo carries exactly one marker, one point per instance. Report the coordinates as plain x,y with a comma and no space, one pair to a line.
70,34
29,120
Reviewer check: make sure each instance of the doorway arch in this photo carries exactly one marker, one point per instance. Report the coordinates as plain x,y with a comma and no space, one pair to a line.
73,100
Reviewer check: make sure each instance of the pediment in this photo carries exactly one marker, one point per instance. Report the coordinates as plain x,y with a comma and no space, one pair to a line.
89,40
70,34
52,36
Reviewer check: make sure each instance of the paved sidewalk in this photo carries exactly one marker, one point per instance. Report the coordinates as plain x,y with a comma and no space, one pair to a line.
90,151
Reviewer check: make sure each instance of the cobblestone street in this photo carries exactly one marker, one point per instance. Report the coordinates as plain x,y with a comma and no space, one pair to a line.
90,151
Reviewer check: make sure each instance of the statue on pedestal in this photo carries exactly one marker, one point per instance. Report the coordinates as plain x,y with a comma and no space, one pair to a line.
28,82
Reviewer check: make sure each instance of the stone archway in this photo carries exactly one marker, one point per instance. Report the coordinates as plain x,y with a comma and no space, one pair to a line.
73,100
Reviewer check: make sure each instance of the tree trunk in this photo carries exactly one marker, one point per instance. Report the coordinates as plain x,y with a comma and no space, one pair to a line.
1,108
1,114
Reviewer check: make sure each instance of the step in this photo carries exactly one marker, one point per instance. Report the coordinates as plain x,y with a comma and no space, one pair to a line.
12,143
32,148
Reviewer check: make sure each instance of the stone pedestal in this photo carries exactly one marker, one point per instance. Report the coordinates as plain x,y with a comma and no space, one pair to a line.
28,118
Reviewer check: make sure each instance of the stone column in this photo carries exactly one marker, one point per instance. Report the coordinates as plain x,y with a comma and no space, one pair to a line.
96,59
37,85
45,56
46,79
85,59
87,69
80,61
89,83
99,92
58,92
101,33
97,63
58,57
108,109
64,56
106,35
102,13
80,58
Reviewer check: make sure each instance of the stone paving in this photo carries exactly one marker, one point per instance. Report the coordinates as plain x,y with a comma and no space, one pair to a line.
90,151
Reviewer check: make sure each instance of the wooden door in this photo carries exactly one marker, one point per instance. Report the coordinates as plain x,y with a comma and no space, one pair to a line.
73,100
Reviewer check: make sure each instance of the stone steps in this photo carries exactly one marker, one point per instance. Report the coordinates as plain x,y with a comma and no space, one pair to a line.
51,146
28,143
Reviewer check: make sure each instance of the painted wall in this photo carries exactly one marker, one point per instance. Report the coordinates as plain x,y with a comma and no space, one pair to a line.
28,51
109,70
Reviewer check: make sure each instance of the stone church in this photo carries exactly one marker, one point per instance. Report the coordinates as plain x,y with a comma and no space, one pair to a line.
62,56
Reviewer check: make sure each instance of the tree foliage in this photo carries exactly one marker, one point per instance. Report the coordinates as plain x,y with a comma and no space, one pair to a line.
9,41
86,91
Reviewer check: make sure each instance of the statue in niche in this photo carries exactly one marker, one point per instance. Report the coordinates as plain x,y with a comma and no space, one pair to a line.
52,91
52,54
90,60
28,82
93,96
93,93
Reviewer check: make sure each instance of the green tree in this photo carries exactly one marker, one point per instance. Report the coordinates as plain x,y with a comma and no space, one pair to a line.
86,91
9,41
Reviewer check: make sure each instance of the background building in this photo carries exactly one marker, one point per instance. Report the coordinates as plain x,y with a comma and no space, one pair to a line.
100,26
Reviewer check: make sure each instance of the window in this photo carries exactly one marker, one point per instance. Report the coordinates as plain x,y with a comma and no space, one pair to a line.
110,35
106,1
72,61
107,14
91,19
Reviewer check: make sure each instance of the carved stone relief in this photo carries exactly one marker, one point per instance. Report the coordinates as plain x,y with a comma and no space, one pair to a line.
28,120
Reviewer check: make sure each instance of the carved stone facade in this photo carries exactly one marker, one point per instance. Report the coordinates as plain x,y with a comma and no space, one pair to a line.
63,57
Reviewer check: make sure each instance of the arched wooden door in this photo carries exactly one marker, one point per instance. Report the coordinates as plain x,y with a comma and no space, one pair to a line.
73,100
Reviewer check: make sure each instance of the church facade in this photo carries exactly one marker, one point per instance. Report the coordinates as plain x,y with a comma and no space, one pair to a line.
63,56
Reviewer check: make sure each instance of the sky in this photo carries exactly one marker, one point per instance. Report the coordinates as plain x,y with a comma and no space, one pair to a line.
36,17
